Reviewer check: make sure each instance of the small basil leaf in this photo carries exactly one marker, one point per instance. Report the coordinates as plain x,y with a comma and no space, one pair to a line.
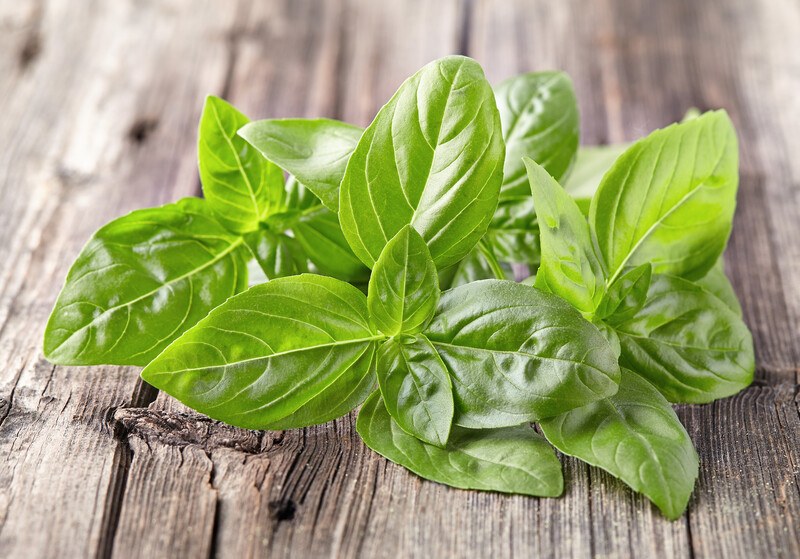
669,199
626,295
635,436
688,343
278,255
717,283
591,163
241,187
321,237
432,158
539,113
276,352
516,354
472,267
570,267
416,388
514,231
404,286
142,280
510,460
315,151
298,197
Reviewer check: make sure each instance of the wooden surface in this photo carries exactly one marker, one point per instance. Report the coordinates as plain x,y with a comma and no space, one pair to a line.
100,101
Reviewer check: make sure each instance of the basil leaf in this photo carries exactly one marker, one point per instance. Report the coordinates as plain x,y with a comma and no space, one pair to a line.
510,460
591,164
315,151
688,343
718,284
626,295
142,280
404,286
320,235
472,267
669,199
241,187
514,231
278,351
570,268
539,114
516,354
635,436
278,255
298,197
416,388
432,158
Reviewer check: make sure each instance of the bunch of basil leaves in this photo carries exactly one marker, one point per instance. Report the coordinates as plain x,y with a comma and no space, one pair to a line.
450,361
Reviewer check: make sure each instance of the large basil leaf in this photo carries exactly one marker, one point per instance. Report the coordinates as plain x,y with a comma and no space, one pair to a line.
539,114
717,283
275,352
569,267
241,187
636,436
688,343
669,199
315,151
516,354
404,287
416,388
140,282
514,231
320,235
626,296
432,158
510,460
278,255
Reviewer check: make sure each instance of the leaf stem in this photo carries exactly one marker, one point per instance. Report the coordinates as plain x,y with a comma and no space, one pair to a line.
491,259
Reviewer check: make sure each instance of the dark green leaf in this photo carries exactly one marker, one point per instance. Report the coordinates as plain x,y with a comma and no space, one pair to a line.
315,151
278,255
514,232
516,354
569,266
669,199
416,388
717,283
432,158
404,286
140,282
241,187
635,436
626,295
510,460
284,353
688,343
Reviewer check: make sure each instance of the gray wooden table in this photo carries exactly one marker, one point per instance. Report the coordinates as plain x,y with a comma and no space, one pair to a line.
99,105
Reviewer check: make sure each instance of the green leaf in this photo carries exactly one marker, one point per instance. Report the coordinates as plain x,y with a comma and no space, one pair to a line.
569,266
539,114
278,255
298,197
510,460
635,436
514,231
591,164
718,284
404,286
320,235
669,199
472,267
416,388
241,187
432,158
286,353
142,280
516,354
626,296
315,151
688,343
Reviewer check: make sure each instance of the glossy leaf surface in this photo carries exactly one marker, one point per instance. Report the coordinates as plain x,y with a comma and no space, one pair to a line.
516,354
416,388
432,158
278,255
241,187
509,460
669,199
626,296
319,233
296,347
404,286
688,343
142,280
636,436
717,283
514,231
314,151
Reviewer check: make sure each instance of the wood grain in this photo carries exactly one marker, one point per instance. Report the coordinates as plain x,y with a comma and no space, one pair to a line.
101,102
